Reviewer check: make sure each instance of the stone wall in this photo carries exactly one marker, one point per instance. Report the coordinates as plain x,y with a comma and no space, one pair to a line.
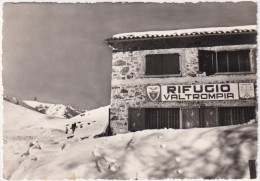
129,82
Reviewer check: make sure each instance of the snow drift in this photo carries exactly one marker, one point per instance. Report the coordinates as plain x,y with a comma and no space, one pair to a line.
36,147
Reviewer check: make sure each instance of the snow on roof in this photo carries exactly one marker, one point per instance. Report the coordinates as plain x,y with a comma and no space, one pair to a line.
186,32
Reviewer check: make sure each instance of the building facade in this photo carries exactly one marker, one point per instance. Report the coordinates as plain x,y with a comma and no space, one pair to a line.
183,78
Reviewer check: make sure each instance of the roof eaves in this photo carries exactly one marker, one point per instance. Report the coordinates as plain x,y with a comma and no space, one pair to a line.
185,32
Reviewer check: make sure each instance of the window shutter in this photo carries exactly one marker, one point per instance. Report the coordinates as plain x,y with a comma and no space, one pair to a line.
209,117
171,64
154,65
190,117
136,119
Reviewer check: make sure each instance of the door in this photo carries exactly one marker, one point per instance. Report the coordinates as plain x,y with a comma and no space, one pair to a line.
209,117
136,119
190,118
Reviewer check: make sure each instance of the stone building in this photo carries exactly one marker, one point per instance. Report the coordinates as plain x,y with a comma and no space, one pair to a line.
183,78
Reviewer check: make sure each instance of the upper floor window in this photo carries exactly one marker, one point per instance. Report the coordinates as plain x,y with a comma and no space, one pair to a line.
213,62
162,64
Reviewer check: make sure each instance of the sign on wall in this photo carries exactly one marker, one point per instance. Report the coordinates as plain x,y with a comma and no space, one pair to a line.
246,90
153,92
228,91
199,92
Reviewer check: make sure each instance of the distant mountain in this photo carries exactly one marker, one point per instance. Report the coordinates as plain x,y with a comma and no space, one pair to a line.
57,110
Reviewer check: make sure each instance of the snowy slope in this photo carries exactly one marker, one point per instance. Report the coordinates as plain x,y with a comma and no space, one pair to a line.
57,110
36,148
90,123
24,128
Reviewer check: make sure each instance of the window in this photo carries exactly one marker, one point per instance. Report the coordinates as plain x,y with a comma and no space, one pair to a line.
176,118
235,115
213,62
162,64
159,118
153,118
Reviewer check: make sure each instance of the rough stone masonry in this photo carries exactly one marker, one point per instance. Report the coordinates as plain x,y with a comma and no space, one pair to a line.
129,81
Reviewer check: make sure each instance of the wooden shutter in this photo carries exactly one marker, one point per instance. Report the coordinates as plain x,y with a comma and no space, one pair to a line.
136,119
207,62
209,117
154,64
190,117
171,64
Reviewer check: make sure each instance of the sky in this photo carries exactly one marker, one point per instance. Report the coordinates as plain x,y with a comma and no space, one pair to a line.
56,52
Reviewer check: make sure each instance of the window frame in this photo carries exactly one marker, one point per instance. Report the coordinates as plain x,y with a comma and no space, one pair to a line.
162,75
252,63
228,108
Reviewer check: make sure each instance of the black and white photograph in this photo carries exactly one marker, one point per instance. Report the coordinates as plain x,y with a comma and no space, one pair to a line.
129,90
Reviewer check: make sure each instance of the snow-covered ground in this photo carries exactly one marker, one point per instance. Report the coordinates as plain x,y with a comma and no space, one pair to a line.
57,110
35,146
24,128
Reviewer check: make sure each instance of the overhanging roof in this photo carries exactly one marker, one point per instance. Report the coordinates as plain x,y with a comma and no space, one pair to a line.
185,32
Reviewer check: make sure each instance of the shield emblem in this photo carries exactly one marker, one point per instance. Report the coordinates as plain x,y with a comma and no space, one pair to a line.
246,90
153,92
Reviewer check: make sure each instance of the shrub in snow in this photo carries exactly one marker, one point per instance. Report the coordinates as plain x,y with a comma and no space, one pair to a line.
41,108
11,99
